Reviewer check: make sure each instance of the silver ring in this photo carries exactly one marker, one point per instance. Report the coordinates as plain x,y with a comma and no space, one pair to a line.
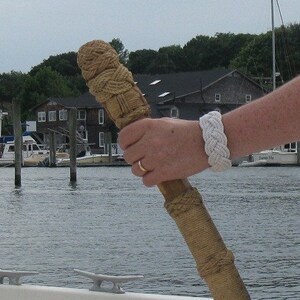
142,168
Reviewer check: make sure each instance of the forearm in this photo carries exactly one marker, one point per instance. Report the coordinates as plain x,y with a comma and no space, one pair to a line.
268,122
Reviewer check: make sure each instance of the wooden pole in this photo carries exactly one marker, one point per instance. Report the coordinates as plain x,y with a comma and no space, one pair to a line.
72,140
113,86
52,155
108,146
17,141
298,153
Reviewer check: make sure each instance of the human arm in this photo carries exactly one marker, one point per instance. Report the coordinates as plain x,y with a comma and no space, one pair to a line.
174,149
265,123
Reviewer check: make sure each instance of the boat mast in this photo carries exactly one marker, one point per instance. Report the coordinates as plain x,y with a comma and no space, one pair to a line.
273,46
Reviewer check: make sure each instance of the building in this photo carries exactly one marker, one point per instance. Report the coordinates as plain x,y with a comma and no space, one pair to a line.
93,124
189,95
186,95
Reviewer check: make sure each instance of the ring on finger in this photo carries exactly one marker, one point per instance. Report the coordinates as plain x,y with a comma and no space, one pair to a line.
142,168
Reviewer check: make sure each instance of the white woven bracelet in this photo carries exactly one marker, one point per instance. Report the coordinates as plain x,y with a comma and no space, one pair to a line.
215,141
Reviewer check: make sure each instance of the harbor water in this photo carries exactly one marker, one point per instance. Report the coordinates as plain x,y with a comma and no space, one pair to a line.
110,223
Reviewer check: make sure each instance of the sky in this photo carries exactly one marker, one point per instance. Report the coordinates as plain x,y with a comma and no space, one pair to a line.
33,30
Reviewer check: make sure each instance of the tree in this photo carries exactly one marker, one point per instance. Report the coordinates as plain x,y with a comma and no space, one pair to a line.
65,64
204,52
160,65
255,59
140,60
119,47
11,85
177,61
44,84
198,53
288,51
228,46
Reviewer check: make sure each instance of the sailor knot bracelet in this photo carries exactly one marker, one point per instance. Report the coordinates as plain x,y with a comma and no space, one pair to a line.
215,141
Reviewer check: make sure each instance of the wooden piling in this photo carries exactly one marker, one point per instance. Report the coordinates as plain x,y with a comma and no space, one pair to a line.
298,153
108,146
52,144
72,140
18,141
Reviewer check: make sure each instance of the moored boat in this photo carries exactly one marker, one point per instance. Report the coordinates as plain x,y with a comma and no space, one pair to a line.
286,155
90,159
31,151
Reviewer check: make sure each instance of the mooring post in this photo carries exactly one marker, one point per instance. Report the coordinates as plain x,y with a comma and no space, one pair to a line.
72,139
52,144
108,146
298,153
17,141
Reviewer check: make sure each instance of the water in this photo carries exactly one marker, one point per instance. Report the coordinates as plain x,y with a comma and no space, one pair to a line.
110,223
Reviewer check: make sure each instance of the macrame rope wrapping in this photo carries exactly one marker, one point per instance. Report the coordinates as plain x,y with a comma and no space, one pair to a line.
215,141
185,204
215,263
111,83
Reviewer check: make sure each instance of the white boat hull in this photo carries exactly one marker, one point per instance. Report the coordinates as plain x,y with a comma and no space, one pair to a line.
88,160
274,157
32,292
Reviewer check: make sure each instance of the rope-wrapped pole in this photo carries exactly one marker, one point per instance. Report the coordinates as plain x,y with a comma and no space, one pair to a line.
113,86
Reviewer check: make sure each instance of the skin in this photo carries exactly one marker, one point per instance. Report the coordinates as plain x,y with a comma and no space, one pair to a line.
174,149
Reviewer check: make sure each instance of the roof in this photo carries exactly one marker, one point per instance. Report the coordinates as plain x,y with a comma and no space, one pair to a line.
158,88
168,86
83,101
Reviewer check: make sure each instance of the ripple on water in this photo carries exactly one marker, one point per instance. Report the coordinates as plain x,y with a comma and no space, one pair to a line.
109,223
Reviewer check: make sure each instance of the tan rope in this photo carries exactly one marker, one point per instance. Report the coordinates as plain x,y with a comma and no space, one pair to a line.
111,83
185,203
215,263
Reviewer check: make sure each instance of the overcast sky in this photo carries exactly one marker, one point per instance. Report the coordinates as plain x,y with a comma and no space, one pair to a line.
32,30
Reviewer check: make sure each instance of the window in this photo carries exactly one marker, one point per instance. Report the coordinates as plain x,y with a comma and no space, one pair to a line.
35,147
11,148
217,97
248,97
52,115
101,116
81,114
101,139
41,116
174,112
63,115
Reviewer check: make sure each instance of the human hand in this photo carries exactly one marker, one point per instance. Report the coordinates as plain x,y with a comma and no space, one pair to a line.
167,148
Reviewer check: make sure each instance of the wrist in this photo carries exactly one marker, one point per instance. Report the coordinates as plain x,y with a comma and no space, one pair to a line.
215,141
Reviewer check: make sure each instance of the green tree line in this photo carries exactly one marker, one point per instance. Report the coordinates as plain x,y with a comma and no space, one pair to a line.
59,76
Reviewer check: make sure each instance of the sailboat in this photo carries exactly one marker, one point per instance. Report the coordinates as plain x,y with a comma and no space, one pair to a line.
284,154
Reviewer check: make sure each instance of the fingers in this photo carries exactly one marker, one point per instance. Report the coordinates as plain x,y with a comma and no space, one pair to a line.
139,169
133,153
151,175
163,149
133,133
148,178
